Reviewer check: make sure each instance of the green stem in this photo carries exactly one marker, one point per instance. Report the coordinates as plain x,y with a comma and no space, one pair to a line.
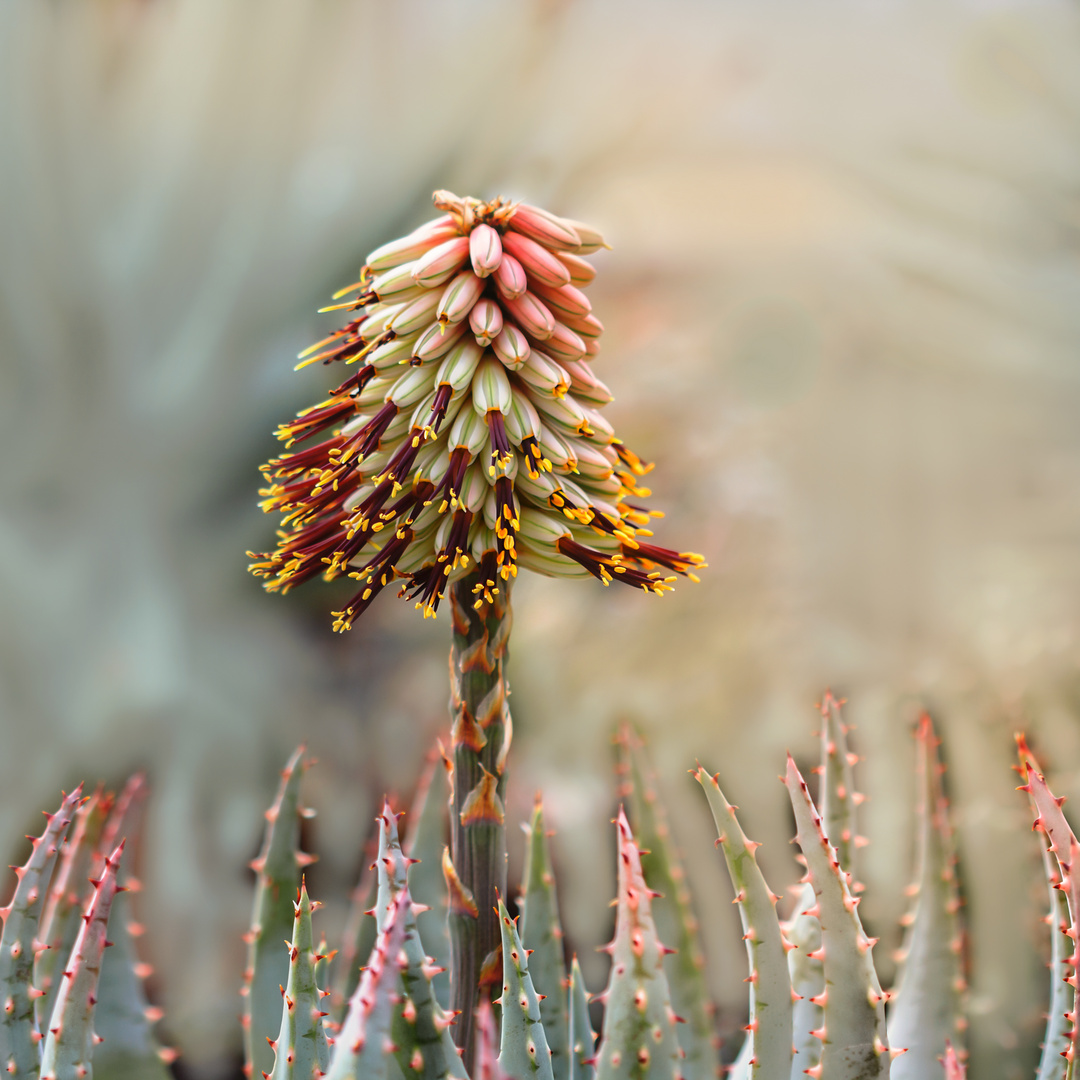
481,739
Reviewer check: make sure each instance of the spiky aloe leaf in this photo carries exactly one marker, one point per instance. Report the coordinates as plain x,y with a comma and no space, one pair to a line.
69,1043
672,909
124,1018
424,1047
362,1049
277,871
524,1053
769,1029
1052,1064
487,1044
853,1034
18,1033
300,1050
542,936
839,801
1050,820
582,1036
927,1011
639,1023
60,917
424,842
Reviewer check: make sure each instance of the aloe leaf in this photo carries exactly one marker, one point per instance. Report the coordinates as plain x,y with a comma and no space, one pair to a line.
1052,1064
542,936
69,1043
927,1012
423,1045
523,1049
427,835
300,1050
672,910
769,1038
362,1049
582,1036
1050,820
853,1035
839,801
67,897
19,1035
277,871
639,1022
124,1018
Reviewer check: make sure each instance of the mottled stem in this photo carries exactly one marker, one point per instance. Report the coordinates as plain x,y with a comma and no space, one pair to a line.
481,739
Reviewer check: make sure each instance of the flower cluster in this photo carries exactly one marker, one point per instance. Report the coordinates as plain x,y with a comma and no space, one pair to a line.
467,437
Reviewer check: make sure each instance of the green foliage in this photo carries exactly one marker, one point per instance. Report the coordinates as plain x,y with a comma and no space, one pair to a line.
394,1027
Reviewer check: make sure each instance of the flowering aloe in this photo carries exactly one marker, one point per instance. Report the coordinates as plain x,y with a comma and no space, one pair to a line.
467,437
465,442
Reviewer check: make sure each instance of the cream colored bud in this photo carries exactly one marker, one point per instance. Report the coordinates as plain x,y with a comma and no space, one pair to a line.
458,298
441,263
491,387
437,341
486,320
417,314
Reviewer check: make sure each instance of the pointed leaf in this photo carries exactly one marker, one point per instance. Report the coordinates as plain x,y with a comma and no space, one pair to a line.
69,1043
770,985
66,901
19,1036
639,1023
362,1049
123,1017
1050,820
854,1040
672,910
542,936
927,1011
1052,1064
582,1036
838,800
523,1051
277,871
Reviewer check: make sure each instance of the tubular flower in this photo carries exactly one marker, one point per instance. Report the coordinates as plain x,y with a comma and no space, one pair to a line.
466,435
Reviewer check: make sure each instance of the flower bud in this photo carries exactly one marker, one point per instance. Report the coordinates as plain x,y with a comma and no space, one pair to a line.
537,262
441,263
458,298
485,250
511,347
486,320
510,281
532,316
544,228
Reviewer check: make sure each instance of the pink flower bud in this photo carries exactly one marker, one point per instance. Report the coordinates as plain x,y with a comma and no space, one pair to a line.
441,263
544,228
531,315
509,279
537,261
485,249
511,347
486,320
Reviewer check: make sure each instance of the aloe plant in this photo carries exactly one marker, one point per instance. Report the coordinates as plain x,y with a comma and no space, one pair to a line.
533,1020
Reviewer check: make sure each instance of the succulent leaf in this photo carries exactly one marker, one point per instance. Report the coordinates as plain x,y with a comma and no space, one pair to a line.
1050,820
523,1051
424,843
69,1043
853,1035
277,871
301,1051
768,1053
362,1049
926,1012
67,898
838,805
672,910
582,1036
542,936
124,1018
19,1036
1053,1063
420,1028
639,1022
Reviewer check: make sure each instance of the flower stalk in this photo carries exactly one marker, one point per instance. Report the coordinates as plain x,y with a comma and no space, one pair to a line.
480,736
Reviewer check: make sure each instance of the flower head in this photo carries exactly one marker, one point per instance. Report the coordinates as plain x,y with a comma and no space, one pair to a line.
466,436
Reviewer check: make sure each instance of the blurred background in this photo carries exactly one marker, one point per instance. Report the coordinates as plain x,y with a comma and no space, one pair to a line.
843,316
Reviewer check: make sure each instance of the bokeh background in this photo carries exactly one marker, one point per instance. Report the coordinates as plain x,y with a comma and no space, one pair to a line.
843,316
